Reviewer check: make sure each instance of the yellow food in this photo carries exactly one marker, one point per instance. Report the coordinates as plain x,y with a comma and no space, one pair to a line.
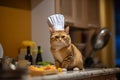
42,70
59,69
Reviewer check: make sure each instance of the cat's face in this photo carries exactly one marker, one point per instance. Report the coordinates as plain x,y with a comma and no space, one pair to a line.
60,38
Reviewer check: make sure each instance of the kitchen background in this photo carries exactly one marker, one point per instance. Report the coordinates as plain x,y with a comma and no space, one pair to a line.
22,20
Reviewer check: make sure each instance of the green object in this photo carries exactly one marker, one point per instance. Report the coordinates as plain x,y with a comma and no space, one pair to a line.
44,63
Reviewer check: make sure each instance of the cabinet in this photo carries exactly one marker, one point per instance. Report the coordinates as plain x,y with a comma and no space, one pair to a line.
80,13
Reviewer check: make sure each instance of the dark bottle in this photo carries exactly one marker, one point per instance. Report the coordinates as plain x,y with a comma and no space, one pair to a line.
39,57
28,55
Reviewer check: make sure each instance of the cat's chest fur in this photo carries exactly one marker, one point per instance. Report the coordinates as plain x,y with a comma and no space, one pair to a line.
60,54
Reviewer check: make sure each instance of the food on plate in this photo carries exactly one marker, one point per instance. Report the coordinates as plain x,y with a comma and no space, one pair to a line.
44,63
42,70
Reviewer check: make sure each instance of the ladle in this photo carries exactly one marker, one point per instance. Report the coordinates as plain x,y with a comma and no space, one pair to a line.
98,41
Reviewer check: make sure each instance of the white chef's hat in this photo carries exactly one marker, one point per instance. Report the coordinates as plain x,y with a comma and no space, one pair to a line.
57,21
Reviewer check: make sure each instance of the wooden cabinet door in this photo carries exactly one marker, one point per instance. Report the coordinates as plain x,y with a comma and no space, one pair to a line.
93,13
82,13
65,7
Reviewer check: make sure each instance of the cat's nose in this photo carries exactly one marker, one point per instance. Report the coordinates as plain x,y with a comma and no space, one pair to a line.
60,39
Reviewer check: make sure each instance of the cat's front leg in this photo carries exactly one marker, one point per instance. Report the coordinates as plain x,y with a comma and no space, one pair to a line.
67,62
57,64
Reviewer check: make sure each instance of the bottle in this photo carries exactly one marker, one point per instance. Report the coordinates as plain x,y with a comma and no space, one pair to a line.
28,55
39,57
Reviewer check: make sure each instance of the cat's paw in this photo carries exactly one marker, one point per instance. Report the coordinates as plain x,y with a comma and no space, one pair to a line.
76,69
64,70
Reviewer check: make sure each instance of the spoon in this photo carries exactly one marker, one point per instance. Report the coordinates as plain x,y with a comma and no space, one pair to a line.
98,41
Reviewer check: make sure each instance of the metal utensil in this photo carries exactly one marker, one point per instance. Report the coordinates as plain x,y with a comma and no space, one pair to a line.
98,41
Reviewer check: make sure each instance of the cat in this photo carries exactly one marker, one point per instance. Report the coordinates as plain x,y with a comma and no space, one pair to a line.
65,54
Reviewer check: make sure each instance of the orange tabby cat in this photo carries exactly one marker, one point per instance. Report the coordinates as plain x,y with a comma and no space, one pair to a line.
65,54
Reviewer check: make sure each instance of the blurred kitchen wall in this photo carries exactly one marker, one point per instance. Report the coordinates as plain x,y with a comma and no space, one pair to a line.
15,22
40,11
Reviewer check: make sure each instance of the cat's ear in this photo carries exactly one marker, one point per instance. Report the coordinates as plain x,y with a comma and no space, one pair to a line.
51,29
67,29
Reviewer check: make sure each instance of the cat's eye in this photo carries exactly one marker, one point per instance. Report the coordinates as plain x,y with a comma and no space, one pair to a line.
62,36
57,37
